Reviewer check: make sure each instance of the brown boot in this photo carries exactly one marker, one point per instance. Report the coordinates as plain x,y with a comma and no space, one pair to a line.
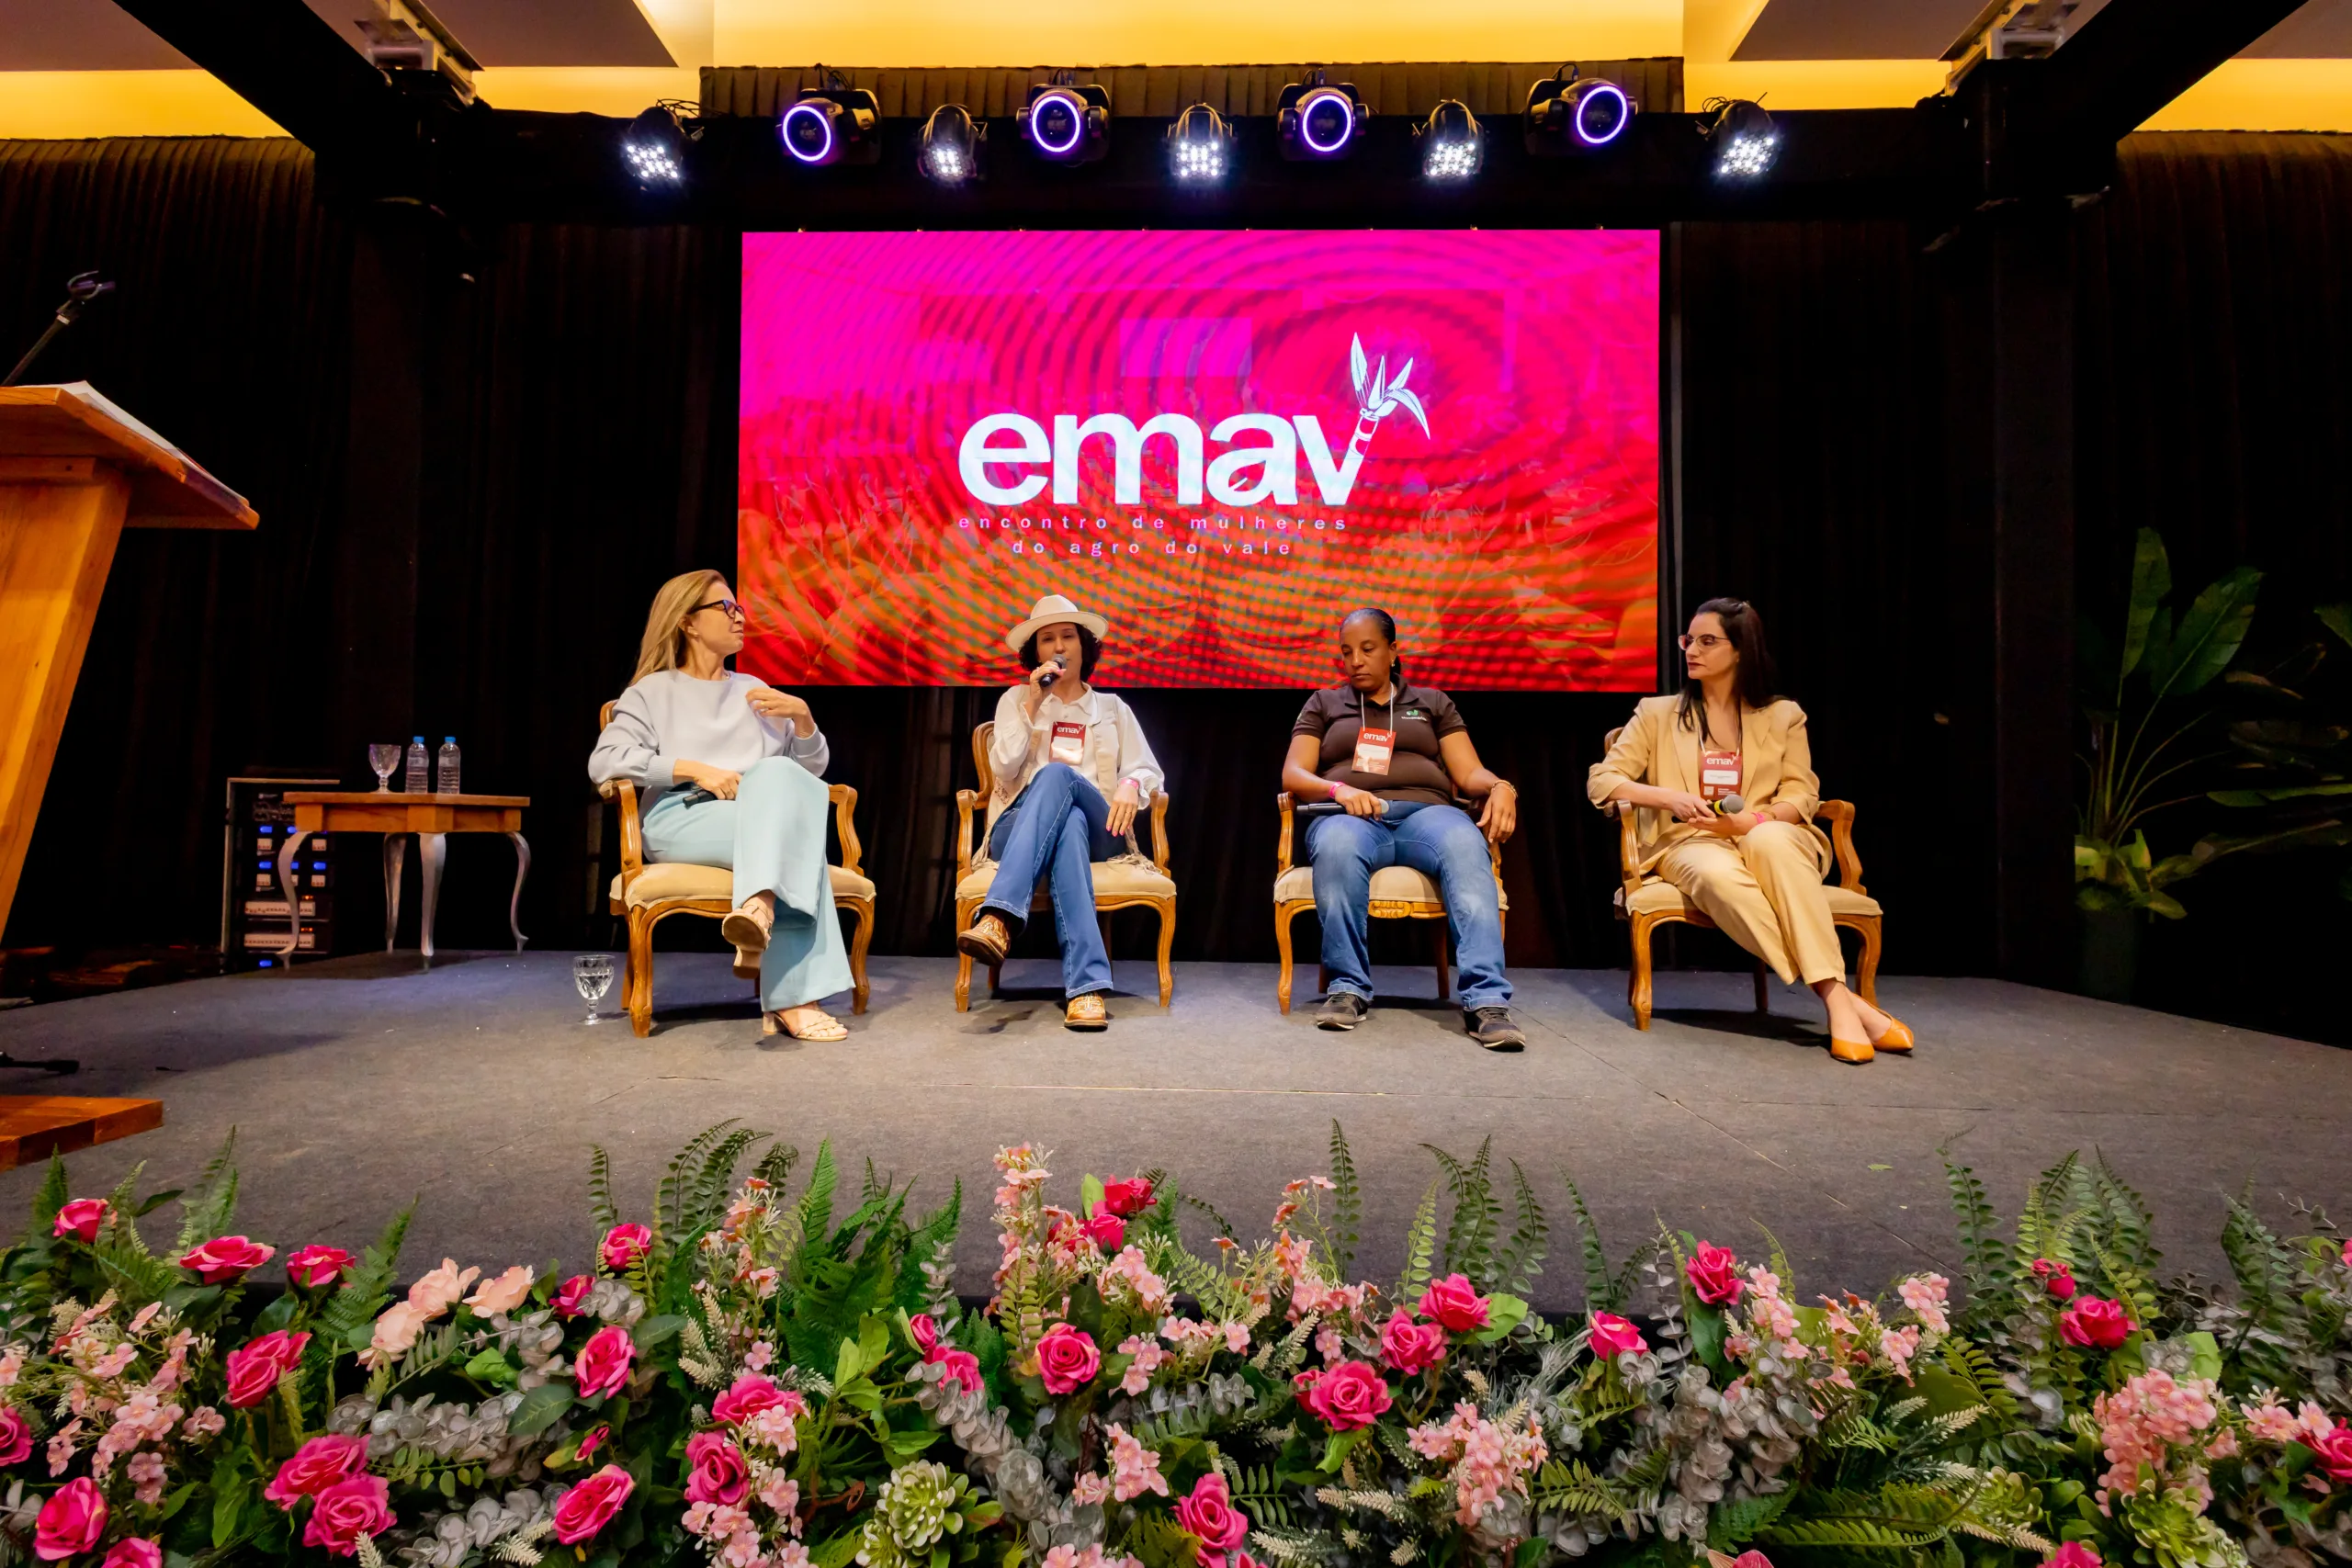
988,940
1086,1012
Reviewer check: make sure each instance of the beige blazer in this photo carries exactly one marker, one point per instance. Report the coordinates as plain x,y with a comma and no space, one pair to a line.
1775,768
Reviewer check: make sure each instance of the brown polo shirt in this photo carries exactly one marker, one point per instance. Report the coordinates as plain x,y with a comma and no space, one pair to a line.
1416,771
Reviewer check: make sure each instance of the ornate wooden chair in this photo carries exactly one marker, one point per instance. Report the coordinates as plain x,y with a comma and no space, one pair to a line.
1646,901
1118,885
1399,893
647,894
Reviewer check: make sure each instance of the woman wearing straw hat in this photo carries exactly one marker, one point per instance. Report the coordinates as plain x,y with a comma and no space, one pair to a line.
1072,769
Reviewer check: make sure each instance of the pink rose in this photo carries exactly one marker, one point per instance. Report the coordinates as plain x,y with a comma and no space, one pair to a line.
316,1465
1751,1559
750,1396
1067,1358
2055,1278
2334,1452
570,1294
80,1218
602,1365
1611,1336
255,1369
963,1368
590,1507
1408,1347
1714,1274
1347,1397
1453,1303
1106,1230
1208,1513
624,1244
227,1257
72,1520
591,1443
1128,1197
720,1473
2094,1323
502,1294
354,1507
16,1435
132,1553
315,1266
396,1330
2072,1555
926,1332
437,1292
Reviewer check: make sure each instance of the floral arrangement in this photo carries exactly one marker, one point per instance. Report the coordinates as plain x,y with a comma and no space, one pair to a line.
744,1380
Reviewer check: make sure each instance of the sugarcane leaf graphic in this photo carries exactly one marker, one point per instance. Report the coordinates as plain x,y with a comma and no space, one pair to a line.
1398,384
1397,394
1358,366
1379,385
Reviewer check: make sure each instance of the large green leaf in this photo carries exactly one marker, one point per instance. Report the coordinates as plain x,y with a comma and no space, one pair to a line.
2208,636
2150,581
2336,618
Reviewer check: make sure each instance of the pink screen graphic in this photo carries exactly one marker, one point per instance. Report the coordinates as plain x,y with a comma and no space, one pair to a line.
1222,441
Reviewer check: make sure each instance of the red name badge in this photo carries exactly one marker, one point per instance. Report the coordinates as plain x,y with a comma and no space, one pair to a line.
1070,742
1718,774
1373,748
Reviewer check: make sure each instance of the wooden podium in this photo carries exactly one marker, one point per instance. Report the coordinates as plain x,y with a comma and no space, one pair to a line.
75,472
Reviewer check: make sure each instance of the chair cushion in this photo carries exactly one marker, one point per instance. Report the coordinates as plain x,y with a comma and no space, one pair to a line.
1659,896
674,879
1390,885
1113,879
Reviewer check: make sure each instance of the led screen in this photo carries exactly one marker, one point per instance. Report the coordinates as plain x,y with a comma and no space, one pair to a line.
1222,441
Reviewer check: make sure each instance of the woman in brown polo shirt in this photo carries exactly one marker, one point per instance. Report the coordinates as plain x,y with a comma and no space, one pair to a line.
1392,757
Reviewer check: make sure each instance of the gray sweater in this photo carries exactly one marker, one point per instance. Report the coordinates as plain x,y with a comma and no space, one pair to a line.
670,717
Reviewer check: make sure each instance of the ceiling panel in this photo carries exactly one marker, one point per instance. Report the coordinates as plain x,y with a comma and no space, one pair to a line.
1856,29
96,35
2320,31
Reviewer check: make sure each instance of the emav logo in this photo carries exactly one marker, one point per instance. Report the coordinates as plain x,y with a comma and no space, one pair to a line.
1243,476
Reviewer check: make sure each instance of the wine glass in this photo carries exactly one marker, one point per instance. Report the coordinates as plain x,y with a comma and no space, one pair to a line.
592,972
383,759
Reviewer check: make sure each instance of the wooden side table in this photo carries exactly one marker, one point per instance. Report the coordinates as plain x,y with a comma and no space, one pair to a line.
431,818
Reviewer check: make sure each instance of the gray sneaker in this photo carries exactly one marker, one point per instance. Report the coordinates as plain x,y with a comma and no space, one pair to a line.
1492,1028
1342,1009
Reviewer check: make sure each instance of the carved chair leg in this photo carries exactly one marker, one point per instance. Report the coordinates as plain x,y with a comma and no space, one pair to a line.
1763,1002
639,988
858,943
964,909
1167,940
1638,991
1282,920
1323,979
1444,980
1869,973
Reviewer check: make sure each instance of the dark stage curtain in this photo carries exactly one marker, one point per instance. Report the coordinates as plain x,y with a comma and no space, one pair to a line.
577,447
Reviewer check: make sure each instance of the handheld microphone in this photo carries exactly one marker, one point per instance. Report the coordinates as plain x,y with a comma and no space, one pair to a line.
1730,806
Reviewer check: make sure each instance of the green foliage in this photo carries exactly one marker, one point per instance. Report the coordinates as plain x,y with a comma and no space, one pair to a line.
600,1189
1420,1245
1469,1247
209,1209
1347,1203
1521,1257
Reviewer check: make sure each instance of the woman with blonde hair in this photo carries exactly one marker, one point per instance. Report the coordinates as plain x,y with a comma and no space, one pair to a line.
732,773
1722,774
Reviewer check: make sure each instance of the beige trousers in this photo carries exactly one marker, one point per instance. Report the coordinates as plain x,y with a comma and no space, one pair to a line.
1764,889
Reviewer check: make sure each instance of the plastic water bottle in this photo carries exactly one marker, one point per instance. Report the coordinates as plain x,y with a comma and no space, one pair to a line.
447,771
412,780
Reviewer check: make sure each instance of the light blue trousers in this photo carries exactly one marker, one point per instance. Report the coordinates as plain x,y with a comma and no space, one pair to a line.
772,836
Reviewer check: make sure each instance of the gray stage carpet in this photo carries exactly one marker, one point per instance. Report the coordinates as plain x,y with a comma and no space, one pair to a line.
358,1084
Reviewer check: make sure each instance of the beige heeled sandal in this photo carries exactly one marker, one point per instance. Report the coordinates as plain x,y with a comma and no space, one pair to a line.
826,1027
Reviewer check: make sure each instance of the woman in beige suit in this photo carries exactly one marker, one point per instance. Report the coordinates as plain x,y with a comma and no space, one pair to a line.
1756,871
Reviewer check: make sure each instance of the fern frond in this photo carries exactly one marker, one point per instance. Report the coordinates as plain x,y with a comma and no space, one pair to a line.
1347,1203
207,1208
1420,1241
1521,1257
776,1166
600,1189
1983,1257
2131,1222
1600,1285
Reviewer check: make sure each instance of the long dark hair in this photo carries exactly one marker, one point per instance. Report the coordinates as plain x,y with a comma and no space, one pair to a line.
1752,682
1090,652
1388,625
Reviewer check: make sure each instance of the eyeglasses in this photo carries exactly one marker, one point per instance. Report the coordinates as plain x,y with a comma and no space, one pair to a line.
728,607
1705,642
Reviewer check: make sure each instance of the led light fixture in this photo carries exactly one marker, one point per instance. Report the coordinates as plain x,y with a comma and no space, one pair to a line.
1452,142
1316,120
1568,115
1066,122
1743,139
1200,147
954,147
833,124
654,149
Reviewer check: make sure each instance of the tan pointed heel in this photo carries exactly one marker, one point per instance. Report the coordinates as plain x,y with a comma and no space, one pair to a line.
1897,1038
1857,1052
747,926
747,965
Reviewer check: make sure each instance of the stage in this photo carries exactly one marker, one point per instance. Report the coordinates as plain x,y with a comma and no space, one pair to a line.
355,1084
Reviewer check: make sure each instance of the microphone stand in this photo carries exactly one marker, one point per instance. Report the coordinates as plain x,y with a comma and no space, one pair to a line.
79,291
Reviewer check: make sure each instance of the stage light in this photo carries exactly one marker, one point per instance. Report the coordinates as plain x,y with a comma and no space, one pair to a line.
1200,146
954,146
654,148
1567,115
1742,138
833,124
1317,120
1066,122
1452,142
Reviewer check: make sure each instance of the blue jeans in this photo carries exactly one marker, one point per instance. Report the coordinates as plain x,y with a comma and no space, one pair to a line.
1056,828
1442,842
773,835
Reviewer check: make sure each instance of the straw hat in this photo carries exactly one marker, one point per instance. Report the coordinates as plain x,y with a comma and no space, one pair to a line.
1052,610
